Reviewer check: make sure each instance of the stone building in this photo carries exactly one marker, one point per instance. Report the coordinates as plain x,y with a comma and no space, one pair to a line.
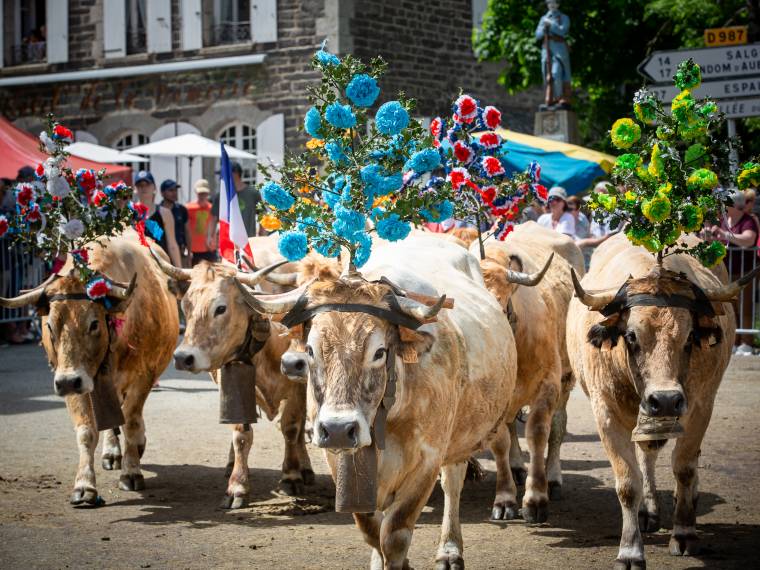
125,72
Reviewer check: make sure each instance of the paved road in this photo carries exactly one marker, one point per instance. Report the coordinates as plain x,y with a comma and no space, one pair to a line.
175,522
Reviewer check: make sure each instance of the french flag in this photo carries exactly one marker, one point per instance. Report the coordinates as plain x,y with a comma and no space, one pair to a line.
231,227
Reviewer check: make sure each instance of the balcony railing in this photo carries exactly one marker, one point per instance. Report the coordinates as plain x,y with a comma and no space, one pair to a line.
35,52
226,33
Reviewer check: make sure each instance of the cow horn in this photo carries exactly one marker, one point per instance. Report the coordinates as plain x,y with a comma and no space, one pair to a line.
418,310
595,300
252,279
128,290
174,272
276,278
45,283
732,290
29,298
271,304
529,279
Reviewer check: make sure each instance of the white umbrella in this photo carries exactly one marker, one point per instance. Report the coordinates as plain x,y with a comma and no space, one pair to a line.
100,153
189,146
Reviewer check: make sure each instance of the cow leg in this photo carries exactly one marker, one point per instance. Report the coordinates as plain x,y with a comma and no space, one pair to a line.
649,510
80,410
307,473
451,546
684,541
516,463
369,525
134,438
556,437
238,487
505,501
111,454
230,461
292,426
620,451
536,500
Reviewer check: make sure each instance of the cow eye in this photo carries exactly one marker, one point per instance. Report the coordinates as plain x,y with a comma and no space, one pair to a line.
379,353
220,310
630,337
93,326
309,351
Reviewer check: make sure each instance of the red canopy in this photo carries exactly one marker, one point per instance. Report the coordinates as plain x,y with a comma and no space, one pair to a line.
19,148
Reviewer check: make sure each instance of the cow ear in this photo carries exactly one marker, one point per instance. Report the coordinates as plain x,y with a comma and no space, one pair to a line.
605,335
414,343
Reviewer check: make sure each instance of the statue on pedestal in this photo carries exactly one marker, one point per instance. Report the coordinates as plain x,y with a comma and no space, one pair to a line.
552,29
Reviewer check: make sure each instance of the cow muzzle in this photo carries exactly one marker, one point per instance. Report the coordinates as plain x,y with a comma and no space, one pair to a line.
74,382
664,403
190,359
347,430
295,366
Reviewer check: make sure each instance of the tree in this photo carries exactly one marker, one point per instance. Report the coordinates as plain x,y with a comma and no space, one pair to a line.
608,39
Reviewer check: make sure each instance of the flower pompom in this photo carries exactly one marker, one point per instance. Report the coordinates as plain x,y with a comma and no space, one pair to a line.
293,245
492,166
682,106
58,187
347,222
393,228
326,59
489,140
97,288
656,164
61,133
645,106
336,153
34,214
457,177
391,118
688,76
25,194
4,226
441,211
312,123
277,196
712,255
86,179
628,161
99,198
340,116
463,152
39,171
465,109
423,161
609,203
362,90
749,175
270,223
491,117
625,133
363,250
656,209
436,128
691,218
702,180
73,229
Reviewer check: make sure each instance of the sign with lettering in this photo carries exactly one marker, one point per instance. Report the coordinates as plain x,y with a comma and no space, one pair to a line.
729,36
715,63
727,89
737,108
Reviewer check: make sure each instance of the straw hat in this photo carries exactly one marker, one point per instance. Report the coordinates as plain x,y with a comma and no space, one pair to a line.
202,187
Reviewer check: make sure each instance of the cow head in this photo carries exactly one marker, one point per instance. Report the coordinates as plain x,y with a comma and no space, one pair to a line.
659,319
351,355
75,329
218,319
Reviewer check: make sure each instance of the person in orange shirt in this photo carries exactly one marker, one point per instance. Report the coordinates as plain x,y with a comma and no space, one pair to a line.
200,216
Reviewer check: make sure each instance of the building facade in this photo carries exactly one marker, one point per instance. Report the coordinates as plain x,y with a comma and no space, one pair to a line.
126,72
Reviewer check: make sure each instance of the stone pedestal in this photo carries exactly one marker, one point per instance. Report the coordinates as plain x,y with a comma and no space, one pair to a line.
557,125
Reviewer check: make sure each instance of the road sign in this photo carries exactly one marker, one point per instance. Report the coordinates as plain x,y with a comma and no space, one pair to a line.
726,89
715,63
729,36
738,108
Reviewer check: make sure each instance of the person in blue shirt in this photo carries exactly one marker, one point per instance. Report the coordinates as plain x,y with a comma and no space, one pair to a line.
552,30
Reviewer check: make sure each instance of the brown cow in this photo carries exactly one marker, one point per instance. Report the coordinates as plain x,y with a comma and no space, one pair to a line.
129,344
454,382
538,313
218,322
652,348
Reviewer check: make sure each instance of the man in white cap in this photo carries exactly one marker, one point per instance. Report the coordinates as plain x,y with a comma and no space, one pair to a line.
199,213
558,218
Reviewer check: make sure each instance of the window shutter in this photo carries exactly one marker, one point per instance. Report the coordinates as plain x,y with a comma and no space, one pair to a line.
270,142
159,14
57,31
114,28
191,25
263,21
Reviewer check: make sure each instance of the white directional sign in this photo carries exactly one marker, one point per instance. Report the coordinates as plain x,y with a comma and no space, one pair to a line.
738,108
732,61
726,89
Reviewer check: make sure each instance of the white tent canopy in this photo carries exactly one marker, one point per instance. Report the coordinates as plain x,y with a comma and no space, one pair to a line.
98,153
190,146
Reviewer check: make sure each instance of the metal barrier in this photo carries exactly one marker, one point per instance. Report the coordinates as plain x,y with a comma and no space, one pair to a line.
18,270
740,261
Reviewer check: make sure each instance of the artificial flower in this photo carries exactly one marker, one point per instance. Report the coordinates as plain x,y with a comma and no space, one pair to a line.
4,225
364,249
73,229
293,245
701,180
277,196
489,140
713,254
491,117
391,118
340,116
326,58
25,194
656,163
492,166
347,222
270,223
465,109
362,90
463,152
312,123
625,133
58,187
657,208
691,217
98,288
336,152
457,177
61,133
688,76
439,212
393,228
423,161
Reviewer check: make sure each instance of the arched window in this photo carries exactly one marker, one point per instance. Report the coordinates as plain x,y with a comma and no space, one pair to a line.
128,141
242,137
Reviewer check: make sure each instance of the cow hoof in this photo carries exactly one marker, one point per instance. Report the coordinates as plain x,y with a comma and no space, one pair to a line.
132,482
630,565
504,511
111,462
684,545
292,487
452,562
555,491
649,522
308,476
519,475
86,498
536,512
234,502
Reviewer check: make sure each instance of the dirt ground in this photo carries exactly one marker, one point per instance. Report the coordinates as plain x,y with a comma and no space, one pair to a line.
176,522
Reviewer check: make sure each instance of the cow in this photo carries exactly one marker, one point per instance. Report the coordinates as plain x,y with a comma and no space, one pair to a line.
218,324
649,343
454,380
265,253
538,310
87,343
